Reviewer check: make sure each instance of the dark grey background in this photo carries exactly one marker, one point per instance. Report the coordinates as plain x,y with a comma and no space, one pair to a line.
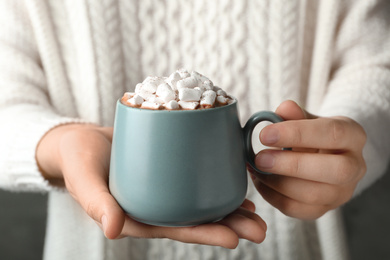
367,219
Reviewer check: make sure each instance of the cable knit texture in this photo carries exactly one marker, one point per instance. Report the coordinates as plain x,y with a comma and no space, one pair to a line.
69,61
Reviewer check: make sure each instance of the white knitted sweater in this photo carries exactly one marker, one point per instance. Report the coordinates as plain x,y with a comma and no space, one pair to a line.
69,61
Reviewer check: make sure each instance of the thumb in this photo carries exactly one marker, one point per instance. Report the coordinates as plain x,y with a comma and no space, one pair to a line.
107,213
290,110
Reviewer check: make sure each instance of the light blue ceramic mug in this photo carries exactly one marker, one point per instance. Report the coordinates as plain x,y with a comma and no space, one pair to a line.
181,168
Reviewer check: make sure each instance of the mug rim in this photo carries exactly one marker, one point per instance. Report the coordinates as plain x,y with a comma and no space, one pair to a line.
235,101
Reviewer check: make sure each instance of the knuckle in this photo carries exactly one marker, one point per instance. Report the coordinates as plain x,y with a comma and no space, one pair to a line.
346,170
91,210
297,136
295,165
337,131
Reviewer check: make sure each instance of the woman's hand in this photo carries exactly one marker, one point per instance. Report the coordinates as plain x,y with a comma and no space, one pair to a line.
78,157
323,168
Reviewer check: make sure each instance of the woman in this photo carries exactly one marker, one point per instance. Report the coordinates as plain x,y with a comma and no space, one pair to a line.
64,65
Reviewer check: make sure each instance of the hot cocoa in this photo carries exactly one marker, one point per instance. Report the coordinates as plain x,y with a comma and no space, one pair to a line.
180,91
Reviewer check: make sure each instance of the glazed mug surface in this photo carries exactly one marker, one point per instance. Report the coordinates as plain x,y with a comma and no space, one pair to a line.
181,167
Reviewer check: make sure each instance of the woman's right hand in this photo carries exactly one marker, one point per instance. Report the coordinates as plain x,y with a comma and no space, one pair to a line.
78,156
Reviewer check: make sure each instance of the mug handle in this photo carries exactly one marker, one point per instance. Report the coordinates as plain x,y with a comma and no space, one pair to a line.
248,130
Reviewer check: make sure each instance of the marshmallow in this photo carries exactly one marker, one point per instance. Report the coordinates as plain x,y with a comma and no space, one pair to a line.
154,99
183,73
200,89
144,90
221,93
128,95
188,94
222,100
136,101
165,92
154,80
208,85
181,90
172,105
188,105
208,99
138,88
151,105
144,93
150,87
163,87
189,82
173,79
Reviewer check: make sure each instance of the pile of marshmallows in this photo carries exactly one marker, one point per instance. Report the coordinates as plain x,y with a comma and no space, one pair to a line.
181,90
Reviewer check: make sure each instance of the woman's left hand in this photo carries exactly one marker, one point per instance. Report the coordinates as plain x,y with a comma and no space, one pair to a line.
323,168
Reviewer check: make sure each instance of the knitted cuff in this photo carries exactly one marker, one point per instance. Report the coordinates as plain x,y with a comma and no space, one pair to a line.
21,171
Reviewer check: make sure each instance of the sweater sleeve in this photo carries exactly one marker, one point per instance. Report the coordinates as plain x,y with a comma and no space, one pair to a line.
360,79
25,110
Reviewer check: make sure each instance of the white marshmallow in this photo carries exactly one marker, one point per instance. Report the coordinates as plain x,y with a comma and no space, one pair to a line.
138,88
208,85
188,94
172,105
208,98
144,93
136,100
173,79
189,82
155,99
129,95
154,79
183,73
200,89
221,93
165,92
188,105
230,100
149,87
162,88
180,89
222,100
151,105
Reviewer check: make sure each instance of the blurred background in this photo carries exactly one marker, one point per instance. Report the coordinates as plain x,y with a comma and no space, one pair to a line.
367,221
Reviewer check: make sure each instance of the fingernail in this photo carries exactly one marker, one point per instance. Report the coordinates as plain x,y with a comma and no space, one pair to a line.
265,160
269,135
104,223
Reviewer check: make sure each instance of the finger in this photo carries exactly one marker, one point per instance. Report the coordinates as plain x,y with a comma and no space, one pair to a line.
99,204
255,217
289,110
307,192
288,206
337,169
321,133
86,178
249,205
246,225
207,234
